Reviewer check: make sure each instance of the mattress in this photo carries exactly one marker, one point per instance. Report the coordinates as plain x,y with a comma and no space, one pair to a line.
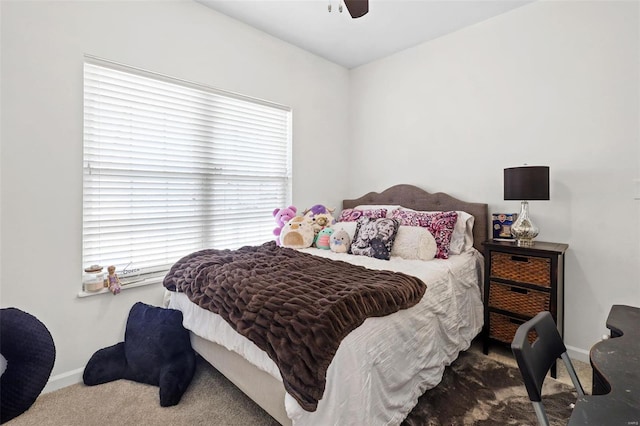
381,368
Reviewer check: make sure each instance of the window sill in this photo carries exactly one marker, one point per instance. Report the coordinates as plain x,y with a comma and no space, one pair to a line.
145,282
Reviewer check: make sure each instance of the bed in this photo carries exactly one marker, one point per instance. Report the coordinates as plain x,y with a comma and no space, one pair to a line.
381,368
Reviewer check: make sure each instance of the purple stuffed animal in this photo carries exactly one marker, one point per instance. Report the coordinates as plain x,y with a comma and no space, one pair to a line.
320,216
283,216
317,209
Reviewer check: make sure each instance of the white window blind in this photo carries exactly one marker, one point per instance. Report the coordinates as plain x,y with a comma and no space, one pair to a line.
171,167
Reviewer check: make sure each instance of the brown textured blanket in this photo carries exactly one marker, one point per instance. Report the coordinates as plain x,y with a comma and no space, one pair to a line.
295,306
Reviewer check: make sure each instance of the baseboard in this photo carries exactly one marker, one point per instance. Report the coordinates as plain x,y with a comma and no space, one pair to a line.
578,354
63,380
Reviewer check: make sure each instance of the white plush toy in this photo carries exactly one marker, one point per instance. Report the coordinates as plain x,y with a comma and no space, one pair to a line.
297,233
340,242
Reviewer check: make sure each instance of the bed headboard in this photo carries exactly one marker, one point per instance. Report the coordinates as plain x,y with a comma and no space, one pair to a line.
412,197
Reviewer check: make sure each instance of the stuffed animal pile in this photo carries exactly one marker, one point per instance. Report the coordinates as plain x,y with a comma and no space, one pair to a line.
313,228
28,354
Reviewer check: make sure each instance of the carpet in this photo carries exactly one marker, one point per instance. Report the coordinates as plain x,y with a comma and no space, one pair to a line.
477,390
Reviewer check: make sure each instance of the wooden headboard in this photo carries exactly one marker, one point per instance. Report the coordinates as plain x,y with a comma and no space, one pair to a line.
412,197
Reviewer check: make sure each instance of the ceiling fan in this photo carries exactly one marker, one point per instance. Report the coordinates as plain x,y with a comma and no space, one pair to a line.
356,8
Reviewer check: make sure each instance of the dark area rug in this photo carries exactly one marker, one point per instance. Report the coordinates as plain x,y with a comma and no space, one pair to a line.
477,390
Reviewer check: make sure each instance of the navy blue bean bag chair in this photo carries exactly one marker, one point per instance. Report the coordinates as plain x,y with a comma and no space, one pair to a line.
156,351
27,347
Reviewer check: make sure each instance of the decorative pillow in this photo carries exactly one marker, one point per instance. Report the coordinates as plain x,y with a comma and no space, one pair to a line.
29,351
440,224
374,237
462,237
388,207
156,351
352,215
414,242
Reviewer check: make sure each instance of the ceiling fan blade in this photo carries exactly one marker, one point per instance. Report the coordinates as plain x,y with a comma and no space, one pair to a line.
357,8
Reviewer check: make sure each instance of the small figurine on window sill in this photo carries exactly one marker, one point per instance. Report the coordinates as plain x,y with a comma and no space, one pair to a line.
113,280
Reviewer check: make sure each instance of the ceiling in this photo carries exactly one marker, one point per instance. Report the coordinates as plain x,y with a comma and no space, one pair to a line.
389,27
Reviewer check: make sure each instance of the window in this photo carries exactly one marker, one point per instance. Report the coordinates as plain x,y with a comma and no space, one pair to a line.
171,167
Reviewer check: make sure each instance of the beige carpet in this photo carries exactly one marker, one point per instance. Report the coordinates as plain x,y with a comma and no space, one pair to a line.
212,400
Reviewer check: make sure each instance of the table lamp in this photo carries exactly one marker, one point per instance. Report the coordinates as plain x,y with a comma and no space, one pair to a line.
525,183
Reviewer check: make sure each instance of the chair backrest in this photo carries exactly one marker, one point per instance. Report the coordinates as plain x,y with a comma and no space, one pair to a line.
535,359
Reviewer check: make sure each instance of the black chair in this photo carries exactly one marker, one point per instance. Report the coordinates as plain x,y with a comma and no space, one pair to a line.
535,359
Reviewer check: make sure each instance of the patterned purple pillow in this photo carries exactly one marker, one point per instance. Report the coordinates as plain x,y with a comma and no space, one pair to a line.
352,215
440,224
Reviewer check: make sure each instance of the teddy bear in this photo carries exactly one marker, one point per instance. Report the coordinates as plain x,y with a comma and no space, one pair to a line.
283,216
320,216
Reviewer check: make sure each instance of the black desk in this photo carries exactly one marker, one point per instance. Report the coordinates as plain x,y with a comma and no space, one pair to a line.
616,374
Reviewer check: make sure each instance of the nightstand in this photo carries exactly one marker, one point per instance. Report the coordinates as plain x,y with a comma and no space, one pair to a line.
520,282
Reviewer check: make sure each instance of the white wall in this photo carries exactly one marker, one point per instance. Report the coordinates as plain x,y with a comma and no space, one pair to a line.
551,83
42,49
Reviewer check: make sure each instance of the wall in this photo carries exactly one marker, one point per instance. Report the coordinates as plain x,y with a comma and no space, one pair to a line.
42,45
551,83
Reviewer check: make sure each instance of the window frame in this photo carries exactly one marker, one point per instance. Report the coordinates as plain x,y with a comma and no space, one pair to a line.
150,275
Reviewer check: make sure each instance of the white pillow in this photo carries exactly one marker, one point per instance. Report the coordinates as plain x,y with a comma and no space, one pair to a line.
462,236
348,227
414,242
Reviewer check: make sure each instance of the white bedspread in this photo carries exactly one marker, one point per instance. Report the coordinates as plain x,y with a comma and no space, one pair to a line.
381,368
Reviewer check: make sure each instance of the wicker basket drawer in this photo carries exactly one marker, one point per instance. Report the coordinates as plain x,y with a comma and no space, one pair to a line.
516,299
503,328
528,269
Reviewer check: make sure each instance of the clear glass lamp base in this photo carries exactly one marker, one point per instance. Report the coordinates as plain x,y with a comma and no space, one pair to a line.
523,229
